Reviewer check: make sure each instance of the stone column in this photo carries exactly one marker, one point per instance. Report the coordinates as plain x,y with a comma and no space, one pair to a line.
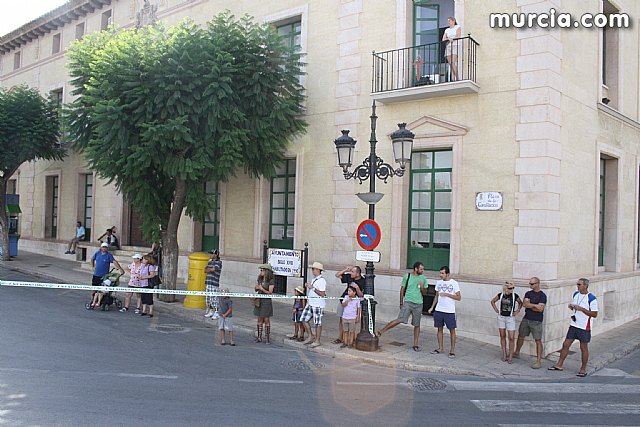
539,136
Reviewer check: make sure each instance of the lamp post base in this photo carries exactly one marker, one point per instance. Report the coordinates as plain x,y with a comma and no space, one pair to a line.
366,342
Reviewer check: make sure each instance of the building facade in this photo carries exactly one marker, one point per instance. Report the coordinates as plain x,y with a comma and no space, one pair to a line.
525,160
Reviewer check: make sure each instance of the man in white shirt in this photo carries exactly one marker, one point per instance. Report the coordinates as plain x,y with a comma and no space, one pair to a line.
447,293
315,306
584,307
79,237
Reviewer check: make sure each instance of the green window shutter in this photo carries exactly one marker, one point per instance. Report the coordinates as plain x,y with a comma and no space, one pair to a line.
430,201
282,206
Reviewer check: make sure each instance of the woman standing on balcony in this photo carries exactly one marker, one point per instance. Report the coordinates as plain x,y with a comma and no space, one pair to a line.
453,46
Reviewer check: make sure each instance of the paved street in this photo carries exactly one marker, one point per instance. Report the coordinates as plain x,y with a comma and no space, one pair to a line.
63,365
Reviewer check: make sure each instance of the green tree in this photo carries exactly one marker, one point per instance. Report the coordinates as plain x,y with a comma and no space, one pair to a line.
29,130
161,111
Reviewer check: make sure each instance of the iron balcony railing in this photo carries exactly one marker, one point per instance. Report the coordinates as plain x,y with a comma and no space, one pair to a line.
427,64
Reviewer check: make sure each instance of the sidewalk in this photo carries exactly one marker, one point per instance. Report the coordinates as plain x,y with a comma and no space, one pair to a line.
472,357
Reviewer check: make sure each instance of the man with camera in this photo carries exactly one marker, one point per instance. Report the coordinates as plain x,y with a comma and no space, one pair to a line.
584,307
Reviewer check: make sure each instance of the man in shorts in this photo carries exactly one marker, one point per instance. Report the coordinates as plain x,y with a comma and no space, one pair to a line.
584,307
413,286
534,303
315,305
101,262
447,293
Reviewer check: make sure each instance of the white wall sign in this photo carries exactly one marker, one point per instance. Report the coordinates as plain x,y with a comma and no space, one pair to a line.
489,201
285,262
372,256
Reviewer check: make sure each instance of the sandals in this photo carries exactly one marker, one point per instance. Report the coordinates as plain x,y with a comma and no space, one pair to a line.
554,368
293,337
436,351
378,334
452,355
301,339
581,374
336,341
416,348
232,344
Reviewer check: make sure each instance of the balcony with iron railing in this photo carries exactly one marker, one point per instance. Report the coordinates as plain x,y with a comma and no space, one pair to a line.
425,71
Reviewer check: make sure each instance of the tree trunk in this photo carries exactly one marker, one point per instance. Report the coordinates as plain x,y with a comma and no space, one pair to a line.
4,221
170,242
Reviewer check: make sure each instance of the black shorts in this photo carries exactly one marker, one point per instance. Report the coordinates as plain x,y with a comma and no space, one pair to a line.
578,334
96,281
146,298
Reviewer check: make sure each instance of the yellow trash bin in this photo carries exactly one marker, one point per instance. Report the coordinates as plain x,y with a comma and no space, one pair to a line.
197,262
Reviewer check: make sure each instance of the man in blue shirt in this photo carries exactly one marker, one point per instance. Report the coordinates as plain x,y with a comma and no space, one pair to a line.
79,237
101,262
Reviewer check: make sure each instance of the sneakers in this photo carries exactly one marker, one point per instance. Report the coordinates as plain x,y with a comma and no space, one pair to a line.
67,252
123,309
215,315
137,311
72,252
208,314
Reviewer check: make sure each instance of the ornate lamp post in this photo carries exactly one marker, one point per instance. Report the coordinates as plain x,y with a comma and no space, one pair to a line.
372,167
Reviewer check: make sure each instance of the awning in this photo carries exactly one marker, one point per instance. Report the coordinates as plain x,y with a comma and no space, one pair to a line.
13,209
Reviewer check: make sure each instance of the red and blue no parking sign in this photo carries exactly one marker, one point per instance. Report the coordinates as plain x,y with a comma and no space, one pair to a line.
368,234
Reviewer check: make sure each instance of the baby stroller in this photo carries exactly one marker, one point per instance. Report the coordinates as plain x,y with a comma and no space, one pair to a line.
110,279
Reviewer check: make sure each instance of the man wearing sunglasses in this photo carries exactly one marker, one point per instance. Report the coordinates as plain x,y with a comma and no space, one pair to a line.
584,307
534,302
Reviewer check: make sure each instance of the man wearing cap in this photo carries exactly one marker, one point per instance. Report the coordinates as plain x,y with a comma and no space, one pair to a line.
315,307
101,262
212,282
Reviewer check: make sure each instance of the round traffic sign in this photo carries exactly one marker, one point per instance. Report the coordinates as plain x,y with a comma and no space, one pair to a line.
368,234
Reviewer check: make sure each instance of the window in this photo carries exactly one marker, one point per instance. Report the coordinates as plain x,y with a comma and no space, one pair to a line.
610,59
601,213
57,42
430,209
56,96
211,225
426,34
51,206
290,34
12,186
16,60
282,212
106,20
79,31
88,204
608,213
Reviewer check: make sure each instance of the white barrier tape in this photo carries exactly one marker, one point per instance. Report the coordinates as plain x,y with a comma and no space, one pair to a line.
155,291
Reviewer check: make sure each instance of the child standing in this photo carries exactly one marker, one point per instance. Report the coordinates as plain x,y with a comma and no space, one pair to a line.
350,317
298,306
225,322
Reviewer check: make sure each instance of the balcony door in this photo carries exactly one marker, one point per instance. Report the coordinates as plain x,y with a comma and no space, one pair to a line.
426,38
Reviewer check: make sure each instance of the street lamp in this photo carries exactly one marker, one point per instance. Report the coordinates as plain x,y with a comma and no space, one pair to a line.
372,167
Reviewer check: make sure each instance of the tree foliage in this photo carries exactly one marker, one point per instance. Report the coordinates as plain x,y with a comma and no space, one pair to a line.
29,130
160,111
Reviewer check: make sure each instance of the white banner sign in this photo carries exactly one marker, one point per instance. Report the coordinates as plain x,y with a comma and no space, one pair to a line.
285,262
489,201
369,256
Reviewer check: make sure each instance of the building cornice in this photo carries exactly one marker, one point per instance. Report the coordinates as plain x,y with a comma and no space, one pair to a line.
71,11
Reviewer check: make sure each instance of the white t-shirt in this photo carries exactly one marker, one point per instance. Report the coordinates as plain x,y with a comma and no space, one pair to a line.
446,304
451,31
587,301
320,284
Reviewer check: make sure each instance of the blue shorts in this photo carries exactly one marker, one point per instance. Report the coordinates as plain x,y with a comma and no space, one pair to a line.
296,316
578,334
441,319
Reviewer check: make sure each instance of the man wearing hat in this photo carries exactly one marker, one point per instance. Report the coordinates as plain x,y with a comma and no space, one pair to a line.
315,306
101,262
212,282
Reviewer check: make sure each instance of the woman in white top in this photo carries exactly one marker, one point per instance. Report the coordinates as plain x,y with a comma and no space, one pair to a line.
453,46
